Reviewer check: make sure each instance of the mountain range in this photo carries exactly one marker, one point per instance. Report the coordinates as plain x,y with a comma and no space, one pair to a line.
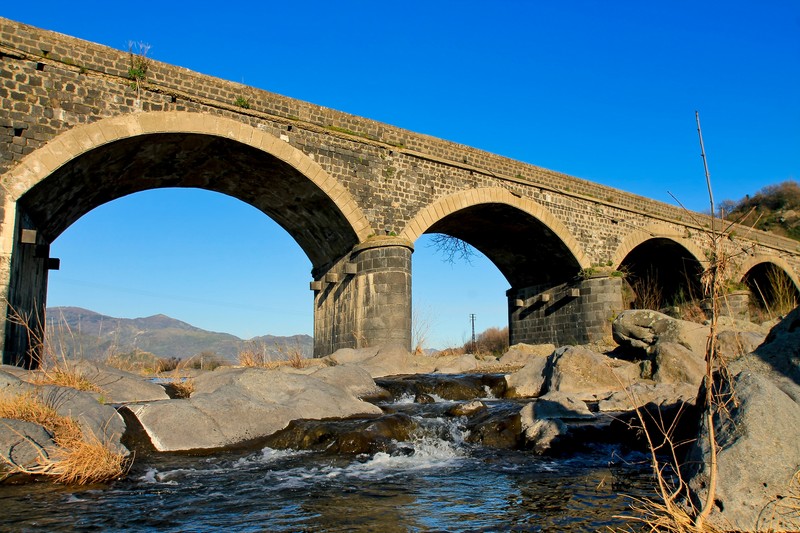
84,333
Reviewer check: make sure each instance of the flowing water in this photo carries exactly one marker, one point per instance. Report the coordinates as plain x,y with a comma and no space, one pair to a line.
436,480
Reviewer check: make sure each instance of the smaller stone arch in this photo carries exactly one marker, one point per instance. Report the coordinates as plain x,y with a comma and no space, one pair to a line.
772,284
654,231
662,267
752,261
448,205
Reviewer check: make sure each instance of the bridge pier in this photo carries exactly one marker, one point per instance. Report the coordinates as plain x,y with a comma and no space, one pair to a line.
23,277
364,299
574,312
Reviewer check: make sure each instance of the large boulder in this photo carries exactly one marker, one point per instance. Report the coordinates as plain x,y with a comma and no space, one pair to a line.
118,386
641,329
386,360
234,405
457,365
674,363
354,379
648,393
781,349
95,419
540,434
343,356
732,345
587,374
757,438
24,444
529,381
521,354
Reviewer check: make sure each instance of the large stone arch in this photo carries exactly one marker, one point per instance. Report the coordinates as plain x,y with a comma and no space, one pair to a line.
42,164
95,163
498,201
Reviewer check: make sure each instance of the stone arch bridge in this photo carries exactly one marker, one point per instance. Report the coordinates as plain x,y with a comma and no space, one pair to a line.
76,132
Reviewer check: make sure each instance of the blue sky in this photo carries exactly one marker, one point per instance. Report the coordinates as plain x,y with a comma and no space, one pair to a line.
602,90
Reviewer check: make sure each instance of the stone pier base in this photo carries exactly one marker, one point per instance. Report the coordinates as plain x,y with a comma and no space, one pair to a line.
577,312
365,298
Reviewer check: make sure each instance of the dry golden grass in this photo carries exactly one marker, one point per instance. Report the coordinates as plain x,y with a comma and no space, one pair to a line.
88,460
80,459
182,387
65,376
31,408
659,517
255,354
53,361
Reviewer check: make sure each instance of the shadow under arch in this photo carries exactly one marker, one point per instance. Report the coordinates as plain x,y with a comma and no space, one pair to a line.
661,271
96,163
524,240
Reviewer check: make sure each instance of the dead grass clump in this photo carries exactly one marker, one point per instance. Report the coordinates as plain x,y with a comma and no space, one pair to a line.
658,517
293,355
136,361
254,354
80,459
647,291
31,408
178,386
52,360
65,376
88,460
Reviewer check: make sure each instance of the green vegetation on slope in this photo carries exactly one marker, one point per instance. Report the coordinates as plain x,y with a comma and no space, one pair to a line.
775,208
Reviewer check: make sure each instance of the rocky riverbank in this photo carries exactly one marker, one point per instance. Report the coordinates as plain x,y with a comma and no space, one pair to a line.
557,399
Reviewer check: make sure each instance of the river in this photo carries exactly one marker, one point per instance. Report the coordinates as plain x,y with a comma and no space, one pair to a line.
435,480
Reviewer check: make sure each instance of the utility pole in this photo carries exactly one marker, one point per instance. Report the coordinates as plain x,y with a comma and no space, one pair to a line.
472,319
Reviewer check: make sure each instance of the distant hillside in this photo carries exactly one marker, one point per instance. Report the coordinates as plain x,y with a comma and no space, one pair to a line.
775,208
91,335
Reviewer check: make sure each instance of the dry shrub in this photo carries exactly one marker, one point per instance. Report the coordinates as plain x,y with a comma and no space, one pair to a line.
80,459
492,341
183,387
784,293
293,355
421,324
647,290
53,360
65,376
446,352
137,361
254,354
657,517
88,460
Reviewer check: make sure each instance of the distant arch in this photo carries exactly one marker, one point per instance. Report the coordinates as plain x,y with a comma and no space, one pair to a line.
753,261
